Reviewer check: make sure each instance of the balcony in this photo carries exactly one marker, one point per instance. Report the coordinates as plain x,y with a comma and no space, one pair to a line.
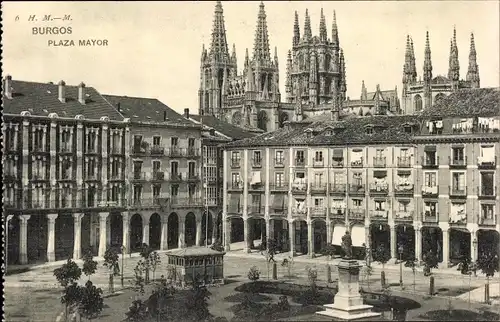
65,149
193,152
299,211
193,177
92,177
211,180
403,189
235,186
403,215
282,187
39,177
256,162
299,187
235,163
459,192
318,212
357,189
430,192
317,188
300,162
158,176
357,214
379,162
379,188
318,163
430,163
485,221
337,189
116,177
457,163
11,204
404,162
138,176
66,177
115,151
255,209
379,214
139,150
92,150
257,186
279,162
486,163
337,212
337,163
281,211
357,163
186,202
430,217
175,152
175,177
486,192
157,150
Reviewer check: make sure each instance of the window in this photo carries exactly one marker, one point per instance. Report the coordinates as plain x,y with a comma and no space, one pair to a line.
408,129
369,130
357,203
379,205
174,168
115,168
137,166
91,167
191,169
156,166
418,103
137,193
487,184
137,143
191,190
458,181
318,157
457,155
65,141
174,190
430,179
338,178
256,200
156,140
357,179
156,191
174,142
279,179
300,175
318,202
430,209
257,158
191,142
235,178
318,179
235,158
379,153
280,158
430,158
487,211
403,205
299,156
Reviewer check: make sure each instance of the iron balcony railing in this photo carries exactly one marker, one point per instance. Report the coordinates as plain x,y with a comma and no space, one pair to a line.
158,176
457,163
235,186
356,188
300,162
404,215
430,162
484,191
404,162
337,163
357,213
430,191
279,162
379,162
193,152
379,188
403,188
157,150
430,217
357,163
319,163
379,214
256,162
337,188
337,212
282,186
457,191
317,211
235,163
256,186
315,187
255,209
138,175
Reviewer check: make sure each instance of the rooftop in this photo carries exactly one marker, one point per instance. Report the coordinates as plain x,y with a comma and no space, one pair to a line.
194,251
227,129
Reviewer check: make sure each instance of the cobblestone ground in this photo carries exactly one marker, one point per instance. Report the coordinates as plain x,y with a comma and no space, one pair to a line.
35,296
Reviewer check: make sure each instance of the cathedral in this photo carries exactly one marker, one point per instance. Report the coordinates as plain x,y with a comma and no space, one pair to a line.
426,91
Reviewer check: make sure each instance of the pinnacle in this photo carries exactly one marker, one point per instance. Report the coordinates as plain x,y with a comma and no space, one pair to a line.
261,42
218,45
307,26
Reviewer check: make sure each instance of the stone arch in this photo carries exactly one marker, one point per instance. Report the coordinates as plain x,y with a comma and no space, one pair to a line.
38,238
155,231
281,233
432,240
236,118
301,236
417,103
14,234
405,237
380,237
319,235
190,229
173,230
136,232
116,230
262,120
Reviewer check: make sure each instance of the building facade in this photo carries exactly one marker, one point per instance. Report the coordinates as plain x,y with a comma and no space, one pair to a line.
376,177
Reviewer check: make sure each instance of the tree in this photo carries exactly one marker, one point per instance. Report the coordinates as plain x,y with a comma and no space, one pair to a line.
488,264
111,262
269,253
68,273
254,276
159,299
197,301
382,255
288,263
91,302
89,264
71,297
430,261
137,311
138,281
145,254
154,260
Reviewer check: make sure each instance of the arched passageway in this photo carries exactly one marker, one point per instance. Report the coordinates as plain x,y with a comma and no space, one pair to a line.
64,236
380,239
190,230
405,237
460,242
488,242
319,236
237,229
136,233
116,231
14,234
301,237
155,231
281,234
173,230
207,229
432,241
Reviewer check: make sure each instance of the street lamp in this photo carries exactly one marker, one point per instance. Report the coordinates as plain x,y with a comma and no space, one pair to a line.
400,251
123,255
474,257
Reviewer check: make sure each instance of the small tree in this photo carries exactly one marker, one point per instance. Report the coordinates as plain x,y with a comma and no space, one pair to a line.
488,264
161,294
269,253
71,297
145,254
89,264
312,276
197,301
382,255
368,273
138,282
137,311
111,262
430,261
91,302
412,263
68,273
288,263
154,260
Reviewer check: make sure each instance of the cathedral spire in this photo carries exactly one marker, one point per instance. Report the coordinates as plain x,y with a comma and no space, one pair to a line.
233,55
307,27
261,48
276,56
296,30
335,32
413,67
407,63
364,94
473,70
427,60
247,60
343,84
454,66
218,47
288,82
322,28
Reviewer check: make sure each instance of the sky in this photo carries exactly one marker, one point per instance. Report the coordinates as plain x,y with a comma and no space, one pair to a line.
154,48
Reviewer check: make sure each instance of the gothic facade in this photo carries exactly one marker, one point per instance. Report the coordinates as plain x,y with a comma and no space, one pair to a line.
421,94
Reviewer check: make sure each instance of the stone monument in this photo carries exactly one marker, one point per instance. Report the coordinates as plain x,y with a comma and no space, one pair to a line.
348,302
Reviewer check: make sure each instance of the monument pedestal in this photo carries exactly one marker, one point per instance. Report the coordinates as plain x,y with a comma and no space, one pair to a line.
348,303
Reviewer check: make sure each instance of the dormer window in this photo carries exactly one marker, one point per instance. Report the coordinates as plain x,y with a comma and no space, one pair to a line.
408,128
369,130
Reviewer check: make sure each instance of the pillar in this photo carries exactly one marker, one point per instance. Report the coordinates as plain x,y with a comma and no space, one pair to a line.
23,242
473,248
268,229
77,245
291,233
198,232
103,216
164,233
182,239
92,231
6,230
393,243
214,236
328,230
108,232
310,240
446,248
418,244
126,228
51,237
227,234
246,239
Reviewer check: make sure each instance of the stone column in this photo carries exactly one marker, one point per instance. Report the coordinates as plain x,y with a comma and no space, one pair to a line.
246,241
164,233
198,233
310,240
393,243
291,233
126,229
77,245
268,230
446,248
418,243
92,230
214,231
51,238
182,239
227,234
328,228
145,231
23,242
108,232
103,216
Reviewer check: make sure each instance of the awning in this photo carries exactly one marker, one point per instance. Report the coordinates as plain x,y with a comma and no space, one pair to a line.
380,173
338,153
430,148
255,178
234,203
278,202
338,233
358,235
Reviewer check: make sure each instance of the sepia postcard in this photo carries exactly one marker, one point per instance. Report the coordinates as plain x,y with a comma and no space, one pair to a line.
251,160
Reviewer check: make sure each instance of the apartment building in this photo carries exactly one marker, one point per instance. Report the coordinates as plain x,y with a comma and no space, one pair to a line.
84,170
423,182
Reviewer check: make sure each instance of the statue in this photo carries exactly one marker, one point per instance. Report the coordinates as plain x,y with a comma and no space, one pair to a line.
347,245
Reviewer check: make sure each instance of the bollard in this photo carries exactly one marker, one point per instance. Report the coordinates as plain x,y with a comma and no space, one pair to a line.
487,293
328,273
382,279
431,286
275,271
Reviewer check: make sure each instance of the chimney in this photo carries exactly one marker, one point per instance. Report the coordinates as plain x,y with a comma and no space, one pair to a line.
81,93
186,113
7,87
62,91
118,107
164,116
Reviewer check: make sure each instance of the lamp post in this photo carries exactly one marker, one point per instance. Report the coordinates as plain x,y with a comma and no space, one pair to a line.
400,251
123,255
474,259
